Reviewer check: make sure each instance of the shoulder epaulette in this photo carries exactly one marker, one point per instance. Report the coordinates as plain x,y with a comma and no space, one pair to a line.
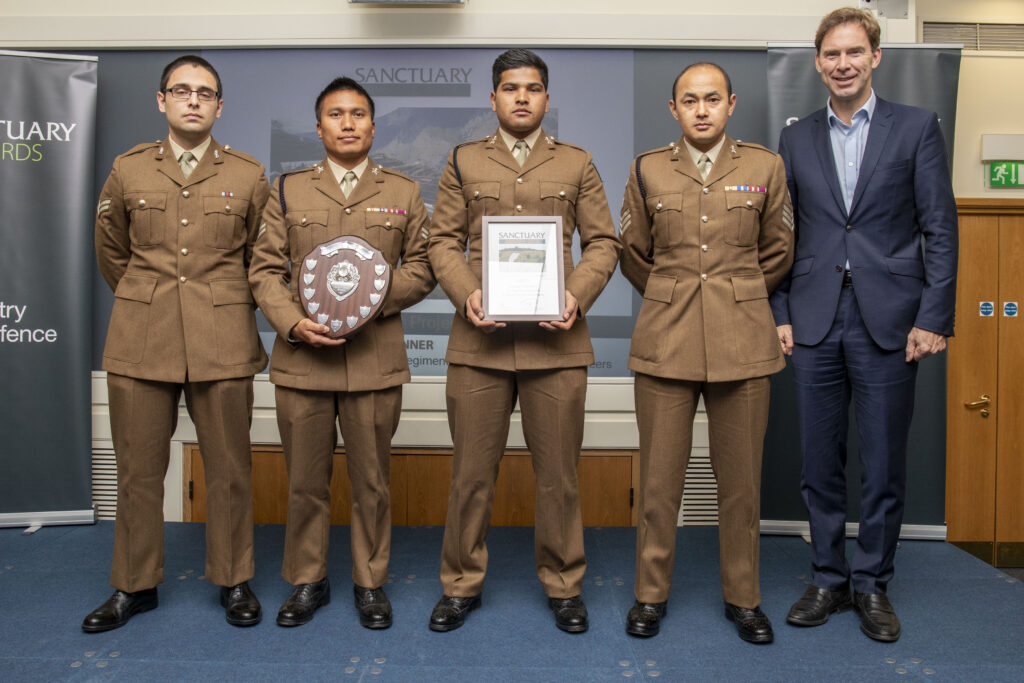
455,157
391,171
753,145
142,147
241,155
554,141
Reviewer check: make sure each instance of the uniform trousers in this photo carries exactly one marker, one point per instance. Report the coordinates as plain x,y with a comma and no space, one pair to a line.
480,403
737,419
848,362
306,420
143,416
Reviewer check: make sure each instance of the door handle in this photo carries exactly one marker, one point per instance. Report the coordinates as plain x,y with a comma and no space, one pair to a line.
983,401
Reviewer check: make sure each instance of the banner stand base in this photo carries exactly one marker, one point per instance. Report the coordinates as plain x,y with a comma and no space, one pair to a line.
35,520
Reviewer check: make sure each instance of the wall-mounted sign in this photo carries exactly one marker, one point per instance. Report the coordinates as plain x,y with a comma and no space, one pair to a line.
1010,309
986,309
1006,174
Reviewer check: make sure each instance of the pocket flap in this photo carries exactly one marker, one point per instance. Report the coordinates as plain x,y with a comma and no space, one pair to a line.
802,266
560,190
471,191
746,200
664,202
230,292
227,205
302,219
136,288
749,287
145,200
906,266
388,221
660,288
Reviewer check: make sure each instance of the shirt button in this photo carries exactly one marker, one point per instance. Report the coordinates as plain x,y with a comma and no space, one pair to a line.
348,211
519,207
184,251
184,221
519,180
704,219
184,193
703,247
706,190
703,276
182,278
849,163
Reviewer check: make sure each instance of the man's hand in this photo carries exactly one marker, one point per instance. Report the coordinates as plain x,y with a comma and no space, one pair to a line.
475,313
313,334
922,343
572,308
786,338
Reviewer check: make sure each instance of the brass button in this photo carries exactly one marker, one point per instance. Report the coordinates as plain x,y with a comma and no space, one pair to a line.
562,194
658,207
227,147
184,193
387,224
704,218
348,211
184,251
706,190
703,276
703,247
750,203
519,207
519,180
227,208
303,220
476,194
182,278
184,221
142,202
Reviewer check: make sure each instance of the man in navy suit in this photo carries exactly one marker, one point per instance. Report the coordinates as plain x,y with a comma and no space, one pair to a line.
871,293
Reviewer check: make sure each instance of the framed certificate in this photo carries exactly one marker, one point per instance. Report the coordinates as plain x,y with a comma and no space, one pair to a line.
522,268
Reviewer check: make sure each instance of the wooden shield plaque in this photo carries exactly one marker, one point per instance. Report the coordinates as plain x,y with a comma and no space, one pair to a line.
342,284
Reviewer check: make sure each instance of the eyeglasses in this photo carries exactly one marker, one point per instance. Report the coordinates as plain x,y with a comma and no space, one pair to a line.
181,92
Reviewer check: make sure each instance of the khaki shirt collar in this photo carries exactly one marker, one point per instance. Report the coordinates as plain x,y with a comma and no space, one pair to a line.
712,153
510,140
340,171
198,151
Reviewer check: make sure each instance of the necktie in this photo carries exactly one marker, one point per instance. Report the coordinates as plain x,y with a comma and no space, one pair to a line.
186,163
520,150
704,165
348,183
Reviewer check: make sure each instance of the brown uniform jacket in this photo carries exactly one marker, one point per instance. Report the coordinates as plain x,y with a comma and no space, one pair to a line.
557,179
705,254
317,211
176,253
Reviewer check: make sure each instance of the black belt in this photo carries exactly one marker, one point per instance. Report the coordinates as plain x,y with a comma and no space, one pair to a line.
847,278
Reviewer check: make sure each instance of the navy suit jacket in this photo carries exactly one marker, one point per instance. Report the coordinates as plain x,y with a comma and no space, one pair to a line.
903,197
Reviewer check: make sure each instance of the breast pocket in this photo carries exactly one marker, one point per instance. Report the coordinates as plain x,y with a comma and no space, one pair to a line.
387,232
559,199
481,200
666,212
148,211
744,217
306,229
224,221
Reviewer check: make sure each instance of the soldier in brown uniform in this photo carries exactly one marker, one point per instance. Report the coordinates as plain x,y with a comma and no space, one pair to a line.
174,232
357,381
707,234
519,171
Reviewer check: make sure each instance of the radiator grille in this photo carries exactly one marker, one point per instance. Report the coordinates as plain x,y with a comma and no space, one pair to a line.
104,482
700,499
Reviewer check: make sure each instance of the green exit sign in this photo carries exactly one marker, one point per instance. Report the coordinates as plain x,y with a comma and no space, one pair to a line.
1006,174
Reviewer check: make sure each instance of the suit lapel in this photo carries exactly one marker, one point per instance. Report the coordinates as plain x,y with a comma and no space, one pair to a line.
878,134
822,142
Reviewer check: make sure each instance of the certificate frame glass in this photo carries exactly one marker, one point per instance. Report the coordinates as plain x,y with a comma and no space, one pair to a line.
523,276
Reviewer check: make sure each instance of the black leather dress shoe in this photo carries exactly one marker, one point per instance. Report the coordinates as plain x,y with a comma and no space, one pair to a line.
374,607
118,609
241,608
644,618
450,613
877,617
570,614
814,608
752,624
304,601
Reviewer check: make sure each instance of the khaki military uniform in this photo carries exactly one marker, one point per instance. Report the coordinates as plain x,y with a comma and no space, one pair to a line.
705,254
545,370
176,252
357,383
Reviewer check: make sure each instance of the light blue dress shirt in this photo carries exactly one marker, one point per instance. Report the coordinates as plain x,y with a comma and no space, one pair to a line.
848,143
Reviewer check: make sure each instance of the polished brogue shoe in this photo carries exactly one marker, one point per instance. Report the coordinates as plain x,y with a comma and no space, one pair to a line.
241,608
374,607
450,613
304,601
751,624
814,608
644,618
570,614
877,617
118,609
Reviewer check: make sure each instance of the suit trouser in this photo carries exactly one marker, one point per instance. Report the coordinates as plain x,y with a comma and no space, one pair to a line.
143,416
368,420
480,403
848,361
737,420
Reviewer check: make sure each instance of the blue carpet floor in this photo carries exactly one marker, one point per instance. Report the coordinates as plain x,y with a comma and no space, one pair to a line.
962,619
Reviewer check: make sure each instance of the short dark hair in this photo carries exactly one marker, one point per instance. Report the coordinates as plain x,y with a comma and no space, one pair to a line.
341,84
190,60
849,15
712,65
518,58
